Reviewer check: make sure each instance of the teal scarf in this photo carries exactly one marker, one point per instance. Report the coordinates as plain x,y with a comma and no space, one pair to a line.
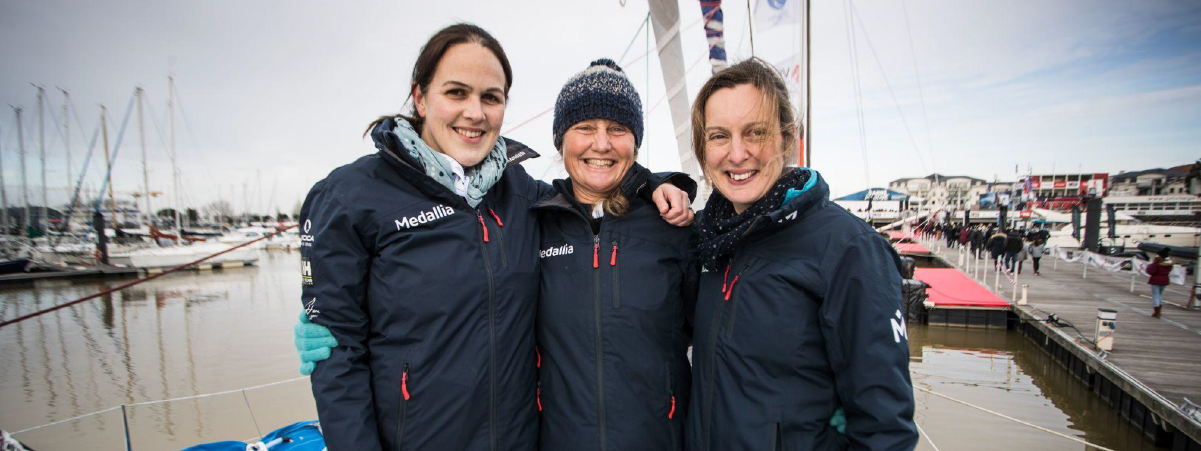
480,177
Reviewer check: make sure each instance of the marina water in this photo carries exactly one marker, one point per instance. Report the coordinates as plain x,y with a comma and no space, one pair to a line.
195,333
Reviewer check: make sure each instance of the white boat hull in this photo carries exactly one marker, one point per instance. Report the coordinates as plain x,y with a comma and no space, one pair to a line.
169,257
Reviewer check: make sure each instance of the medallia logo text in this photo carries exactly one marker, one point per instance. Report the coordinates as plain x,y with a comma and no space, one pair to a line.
438,212
556,251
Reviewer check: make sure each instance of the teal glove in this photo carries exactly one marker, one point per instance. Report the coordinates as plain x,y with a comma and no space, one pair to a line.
839,421
313,343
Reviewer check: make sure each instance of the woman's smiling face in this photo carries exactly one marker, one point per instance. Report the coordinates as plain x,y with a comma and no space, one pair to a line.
743,147
464,105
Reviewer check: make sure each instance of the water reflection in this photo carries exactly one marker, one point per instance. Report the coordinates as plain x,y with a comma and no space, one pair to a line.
206,332
1004,372
177,336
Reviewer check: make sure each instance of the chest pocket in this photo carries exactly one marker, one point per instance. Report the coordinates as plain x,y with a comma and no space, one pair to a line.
765,310
646,276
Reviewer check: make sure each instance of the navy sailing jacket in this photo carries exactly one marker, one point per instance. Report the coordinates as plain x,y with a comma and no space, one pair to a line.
432,303
806,319
611,324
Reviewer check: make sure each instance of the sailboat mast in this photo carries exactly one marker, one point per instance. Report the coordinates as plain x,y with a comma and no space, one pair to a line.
108,166
3,199
174,167
42,145
24,176
149,213
67,151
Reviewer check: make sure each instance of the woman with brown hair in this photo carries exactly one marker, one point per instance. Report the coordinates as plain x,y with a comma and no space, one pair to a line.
422,262
798,307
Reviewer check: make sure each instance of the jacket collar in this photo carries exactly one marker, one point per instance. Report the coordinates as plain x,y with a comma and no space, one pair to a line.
393,152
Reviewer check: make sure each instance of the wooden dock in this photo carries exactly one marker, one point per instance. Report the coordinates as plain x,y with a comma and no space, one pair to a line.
70,274
1155,364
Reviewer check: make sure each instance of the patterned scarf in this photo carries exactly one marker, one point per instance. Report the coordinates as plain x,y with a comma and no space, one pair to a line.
480,177
721,230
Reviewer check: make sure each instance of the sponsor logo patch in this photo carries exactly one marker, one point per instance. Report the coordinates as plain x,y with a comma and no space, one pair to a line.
306,272
306,240
565,249
898,328
434,214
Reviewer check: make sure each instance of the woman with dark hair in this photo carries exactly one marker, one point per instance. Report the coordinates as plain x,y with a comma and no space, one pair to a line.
422,262
798,307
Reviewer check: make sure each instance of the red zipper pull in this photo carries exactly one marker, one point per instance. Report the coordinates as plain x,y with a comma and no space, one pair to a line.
404,383
538,396
482,226
497,218
539,355
595,249
673,407
724,277
731,290
613,256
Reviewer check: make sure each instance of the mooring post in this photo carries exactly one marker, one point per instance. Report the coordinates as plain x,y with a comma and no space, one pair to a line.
1132,273
996,280
1014,297
1085,260
1022,301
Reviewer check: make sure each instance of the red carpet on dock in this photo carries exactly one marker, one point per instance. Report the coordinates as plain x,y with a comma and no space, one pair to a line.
951,288
911,248
896,234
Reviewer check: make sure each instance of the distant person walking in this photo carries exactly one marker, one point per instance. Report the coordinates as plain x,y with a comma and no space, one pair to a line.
1037,249
977,239
964,235
1022,254
1013,245
1159,269
996,247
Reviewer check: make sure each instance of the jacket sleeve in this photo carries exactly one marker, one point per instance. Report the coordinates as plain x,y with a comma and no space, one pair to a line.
334,296
678,179
867,343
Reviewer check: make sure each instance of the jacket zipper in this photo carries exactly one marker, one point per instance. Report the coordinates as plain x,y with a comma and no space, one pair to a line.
491,333
734,303
500,235
707,406
600,356
538,367
404,405
671,393
616,279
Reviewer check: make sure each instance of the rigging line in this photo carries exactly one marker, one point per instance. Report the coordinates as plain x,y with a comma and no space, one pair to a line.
749,17
635,38
78,186
927,436
116,149
870,46
192,136
1007,417
161,401
857,87
552,108
144,279
920,95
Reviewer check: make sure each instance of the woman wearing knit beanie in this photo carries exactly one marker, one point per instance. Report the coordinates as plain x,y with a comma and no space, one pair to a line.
614,373
421,269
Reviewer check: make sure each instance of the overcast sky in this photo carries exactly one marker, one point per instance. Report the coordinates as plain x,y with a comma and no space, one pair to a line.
275,94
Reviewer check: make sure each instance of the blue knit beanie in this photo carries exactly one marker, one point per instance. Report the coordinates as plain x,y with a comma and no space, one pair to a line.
601,91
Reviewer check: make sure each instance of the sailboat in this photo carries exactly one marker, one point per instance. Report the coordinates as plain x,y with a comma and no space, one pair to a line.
183,251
